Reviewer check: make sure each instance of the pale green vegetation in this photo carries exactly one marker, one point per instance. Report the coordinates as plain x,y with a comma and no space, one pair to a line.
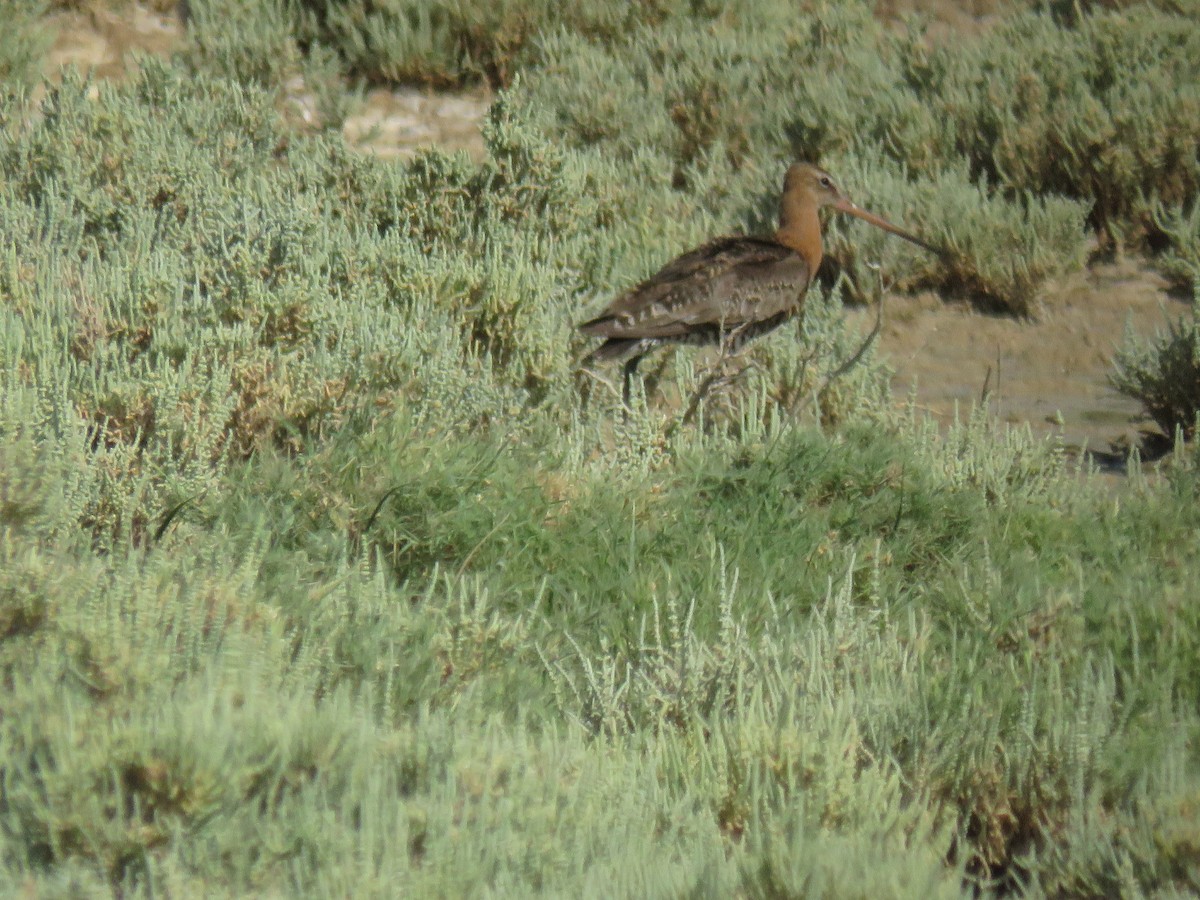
319,577
1164,373
24,41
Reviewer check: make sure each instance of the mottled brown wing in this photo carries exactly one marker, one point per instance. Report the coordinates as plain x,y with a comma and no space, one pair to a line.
725,284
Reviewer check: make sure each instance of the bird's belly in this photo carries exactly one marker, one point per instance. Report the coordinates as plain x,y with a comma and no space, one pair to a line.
734,334
750,330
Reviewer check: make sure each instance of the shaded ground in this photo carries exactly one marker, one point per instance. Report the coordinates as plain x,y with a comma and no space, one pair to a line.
1051,373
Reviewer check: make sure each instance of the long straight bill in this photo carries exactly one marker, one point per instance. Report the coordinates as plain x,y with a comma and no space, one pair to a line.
853,209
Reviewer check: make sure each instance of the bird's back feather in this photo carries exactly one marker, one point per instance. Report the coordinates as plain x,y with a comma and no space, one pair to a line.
728,284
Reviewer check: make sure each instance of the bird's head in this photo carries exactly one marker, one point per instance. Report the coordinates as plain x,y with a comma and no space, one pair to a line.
814,185
806,185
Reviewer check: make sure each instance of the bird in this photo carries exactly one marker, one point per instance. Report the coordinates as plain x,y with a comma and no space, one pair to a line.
732,289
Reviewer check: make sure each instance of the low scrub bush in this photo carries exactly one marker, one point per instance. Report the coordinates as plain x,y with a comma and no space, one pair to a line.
999,251
23,43
720,132
1018,136
198,284
1104,111
1163,372
262,45
1181,227
819,660
317,576
447,44
1005,144
1037,123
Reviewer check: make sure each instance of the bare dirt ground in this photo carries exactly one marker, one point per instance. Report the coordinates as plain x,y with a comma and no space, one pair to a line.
104,39
392,123
1051,373
396,122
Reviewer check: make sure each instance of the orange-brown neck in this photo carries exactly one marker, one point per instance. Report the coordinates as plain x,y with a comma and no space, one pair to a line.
800,228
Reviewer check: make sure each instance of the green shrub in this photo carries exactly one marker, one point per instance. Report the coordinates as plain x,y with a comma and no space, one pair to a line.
724,132
1164,374
1105,111
1181,262
447,44
317,576
192,284
999,251
871,673
1003,143
261,45
24,42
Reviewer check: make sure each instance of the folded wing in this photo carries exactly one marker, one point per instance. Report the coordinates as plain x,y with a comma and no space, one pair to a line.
728,284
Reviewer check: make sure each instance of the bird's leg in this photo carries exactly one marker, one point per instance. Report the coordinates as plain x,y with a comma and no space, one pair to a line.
731,348
701,392
854,360
584,378
652,379
627,373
